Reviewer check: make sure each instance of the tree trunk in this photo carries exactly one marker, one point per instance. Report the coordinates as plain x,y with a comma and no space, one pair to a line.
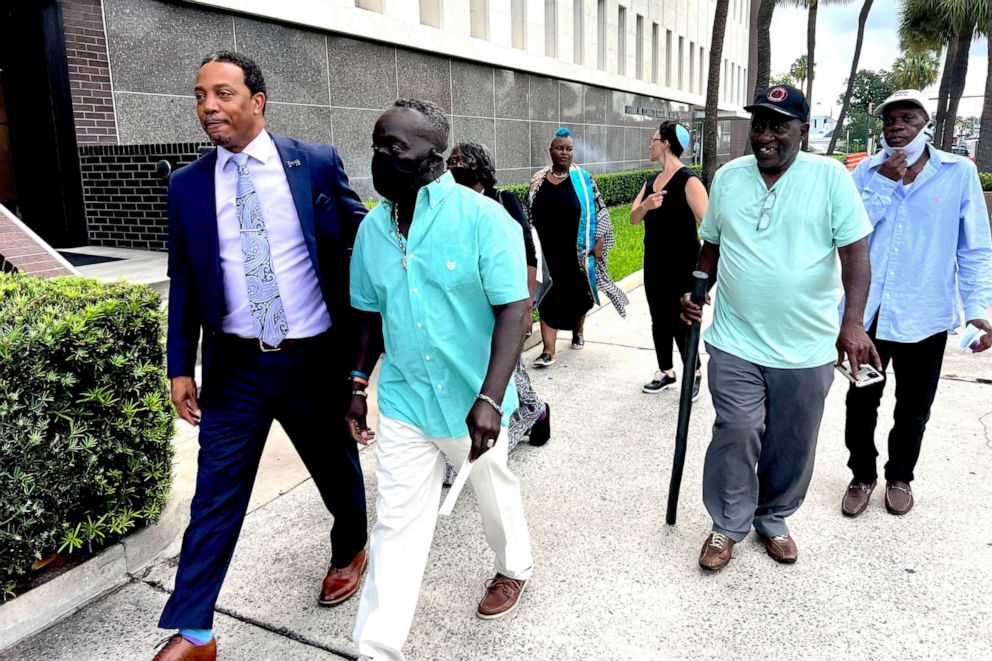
983,157
763,65
713,92
810,50
862,19
959,75
943,90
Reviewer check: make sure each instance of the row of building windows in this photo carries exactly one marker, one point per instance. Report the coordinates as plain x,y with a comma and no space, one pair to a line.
731,91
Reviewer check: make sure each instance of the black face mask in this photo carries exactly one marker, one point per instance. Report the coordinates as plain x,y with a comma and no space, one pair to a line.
464,176
395,178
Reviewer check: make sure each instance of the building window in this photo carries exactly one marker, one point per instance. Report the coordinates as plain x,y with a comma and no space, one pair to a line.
578,34
370,5
430,13
479,18
702,69
692,66
668,58
601,34
681,62
518,23
639,48
740,85
622,41
551,28
654,53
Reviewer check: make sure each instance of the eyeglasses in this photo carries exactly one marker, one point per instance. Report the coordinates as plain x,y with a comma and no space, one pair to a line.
651,141
766,210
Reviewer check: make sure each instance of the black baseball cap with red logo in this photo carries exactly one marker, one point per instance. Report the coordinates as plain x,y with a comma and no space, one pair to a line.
784,100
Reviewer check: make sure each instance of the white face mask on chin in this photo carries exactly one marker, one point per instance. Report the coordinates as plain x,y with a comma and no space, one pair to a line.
913,150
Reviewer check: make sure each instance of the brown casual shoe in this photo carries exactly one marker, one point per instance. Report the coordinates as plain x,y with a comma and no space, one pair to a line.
782,548
502,596
179,649
341,583
898,498
857,497
717,551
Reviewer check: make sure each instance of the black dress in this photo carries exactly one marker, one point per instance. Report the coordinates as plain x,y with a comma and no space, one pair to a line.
555,212
671,249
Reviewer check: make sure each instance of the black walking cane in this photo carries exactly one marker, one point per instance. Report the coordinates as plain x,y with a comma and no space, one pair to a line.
685,401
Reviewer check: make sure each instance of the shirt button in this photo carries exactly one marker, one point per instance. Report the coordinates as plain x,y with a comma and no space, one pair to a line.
415,290
411,255
419,325
895,250
428,357
887,296
440,386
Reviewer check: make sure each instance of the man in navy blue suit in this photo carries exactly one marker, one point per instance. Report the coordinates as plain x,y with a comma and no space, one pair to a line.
260,233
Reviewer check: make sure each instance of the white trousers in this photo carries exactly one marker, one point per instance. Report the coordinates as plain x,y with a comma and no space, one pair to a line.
409,468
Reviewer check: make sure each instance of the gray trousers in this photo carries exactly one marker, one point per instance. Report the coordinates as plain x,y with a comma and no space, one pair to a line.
760,461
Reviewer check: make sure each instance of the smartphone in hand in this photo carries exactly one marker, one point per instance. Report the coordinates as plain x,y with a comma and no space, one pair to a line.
867,374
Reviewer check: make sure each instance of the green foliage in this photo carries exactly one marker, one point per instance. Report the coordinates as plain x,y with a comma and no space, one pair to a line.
799,71
914,70
869,87
986,178
627,255
85,418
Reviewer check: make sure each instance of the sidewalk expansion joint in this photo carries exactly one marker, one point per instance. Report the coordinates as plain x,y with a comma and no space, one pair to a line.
977,380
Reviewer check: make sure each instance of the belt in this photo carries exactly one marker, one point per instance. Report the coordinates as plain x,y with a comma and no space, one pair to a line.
256,344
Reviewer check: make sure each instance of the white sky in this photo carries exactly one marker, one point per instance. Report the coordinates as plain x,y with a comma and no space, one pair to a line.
836,30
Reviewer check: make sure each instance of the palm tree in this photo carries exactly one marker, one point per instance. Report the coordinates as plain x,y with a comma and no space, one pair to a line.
983,159
915,70
713,91
812,7
862,19
763,64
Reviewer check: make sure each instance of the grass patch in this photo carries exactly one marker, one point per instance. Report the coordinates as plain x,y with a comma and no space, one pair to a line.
627,255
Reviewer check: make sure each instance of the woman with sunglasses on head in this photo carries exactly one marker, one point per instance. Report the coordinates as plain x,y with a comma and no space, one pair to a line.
671,204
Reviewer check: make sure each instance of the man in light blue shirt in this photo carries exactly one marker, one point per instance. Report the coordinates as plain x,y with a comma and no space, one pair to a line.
774,229
441,270
931,245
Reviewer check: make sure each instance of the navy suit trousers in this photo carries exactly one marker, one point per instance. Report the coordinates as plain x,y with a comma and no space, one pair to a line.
305,388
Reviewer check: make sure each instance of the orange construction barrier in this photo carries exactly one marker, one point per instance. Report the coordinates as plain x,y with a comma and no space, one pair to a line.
852,160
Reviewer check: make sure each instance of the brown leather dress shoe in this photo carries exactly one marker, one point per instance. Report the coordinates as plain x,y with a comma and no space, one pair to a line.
341,583
898,498
502,596
717,551
782,548
180,649
857,497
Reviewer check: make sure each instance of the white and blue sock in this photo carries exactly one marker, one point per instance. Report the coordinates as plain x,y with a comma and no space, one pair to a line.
197,636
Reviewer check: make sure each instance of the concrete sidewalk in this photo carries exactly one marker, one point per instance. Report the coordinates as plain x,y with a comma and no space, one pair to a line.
612,580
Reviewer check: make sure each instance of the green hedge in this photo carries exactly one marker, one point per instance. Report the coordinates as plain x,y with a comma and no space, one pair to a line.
85,417
986,178
617,188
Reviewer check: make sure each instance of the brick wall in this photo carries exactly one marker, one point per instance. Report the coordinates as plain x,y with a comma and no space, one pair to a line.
89,72
124,198
21,250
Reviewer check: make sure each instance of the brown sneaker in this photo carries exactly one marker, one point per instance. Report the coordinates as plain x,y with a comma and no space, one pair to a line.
502,596
178,648
898,498
782,548
717,551
342,582
857,497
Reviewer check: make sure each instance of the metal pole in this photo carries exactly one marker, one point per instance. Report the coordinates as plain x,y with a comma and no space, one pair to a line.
685,401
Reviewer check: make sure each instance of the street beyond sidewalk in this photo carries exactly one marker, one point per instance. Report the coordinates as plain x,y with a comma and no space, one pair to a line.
612,580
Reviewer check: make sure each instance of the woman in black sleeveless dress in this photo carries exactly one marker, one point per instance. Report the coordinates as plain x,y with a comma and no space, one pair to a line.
671,205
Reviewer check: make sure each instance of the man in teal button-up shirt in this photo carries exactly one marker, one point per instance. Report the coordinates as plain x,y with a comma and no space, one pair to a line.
441,269
930,245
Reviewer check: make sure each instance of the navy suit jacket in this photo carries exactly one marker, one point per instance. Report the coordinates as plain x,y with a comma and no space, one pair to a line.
329,210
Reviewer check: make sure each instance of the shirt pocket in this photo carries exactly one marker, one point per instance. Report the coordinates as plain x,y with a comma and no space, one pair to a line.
454,267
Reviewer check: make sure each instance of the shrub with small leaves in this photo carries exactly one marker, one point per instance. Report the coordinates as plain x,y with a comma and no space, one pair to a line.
85,417
617,188
986,179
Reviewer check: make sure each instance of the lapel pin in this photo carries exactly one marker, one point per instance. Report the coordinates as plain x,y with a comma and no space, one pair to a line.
293,164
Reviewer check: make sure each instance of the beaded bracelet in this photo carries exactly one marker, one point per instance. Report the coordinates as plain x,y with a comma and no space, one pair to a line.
360,375
359,380
489,400
359,393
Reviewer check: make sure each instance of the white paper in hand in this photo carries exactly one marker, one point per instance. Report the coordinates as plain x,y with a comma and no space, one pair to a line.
449,502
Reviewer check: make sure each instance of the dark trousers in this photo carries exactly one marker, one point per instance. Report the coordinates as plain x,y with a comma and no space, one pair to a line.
665,306
304,389
917,369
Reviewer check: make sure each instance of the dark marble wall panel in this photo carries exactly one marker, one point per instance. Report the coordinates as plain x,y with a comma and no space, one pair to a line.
594,105
148,118
157,47
614,143
479,129
363,186
363,74
353,138
541,135
512,94
570,101
424,77
615,104
512,144
293,61
472,89
514,176
594,147
543,99
306,123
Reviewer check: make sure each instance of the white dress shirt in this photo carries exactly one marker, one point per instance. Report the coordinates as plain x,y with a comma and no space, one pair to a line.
305,309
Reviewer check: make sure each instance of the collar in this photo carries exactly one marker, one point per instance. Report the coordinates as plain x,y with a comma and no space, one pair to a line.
435,191
260,149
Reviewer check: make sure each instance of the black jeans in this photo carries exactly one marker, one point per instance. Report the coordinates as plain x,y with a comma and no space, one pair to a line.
916,366
665,306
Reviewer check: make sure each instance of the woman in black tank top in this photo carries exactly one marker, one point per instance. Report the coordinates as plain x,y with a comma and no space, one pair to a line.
671,205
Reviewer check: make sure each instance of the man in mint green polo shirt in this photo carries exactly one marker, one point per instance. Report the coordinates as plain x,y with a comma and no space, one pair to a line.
776,223
441,270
